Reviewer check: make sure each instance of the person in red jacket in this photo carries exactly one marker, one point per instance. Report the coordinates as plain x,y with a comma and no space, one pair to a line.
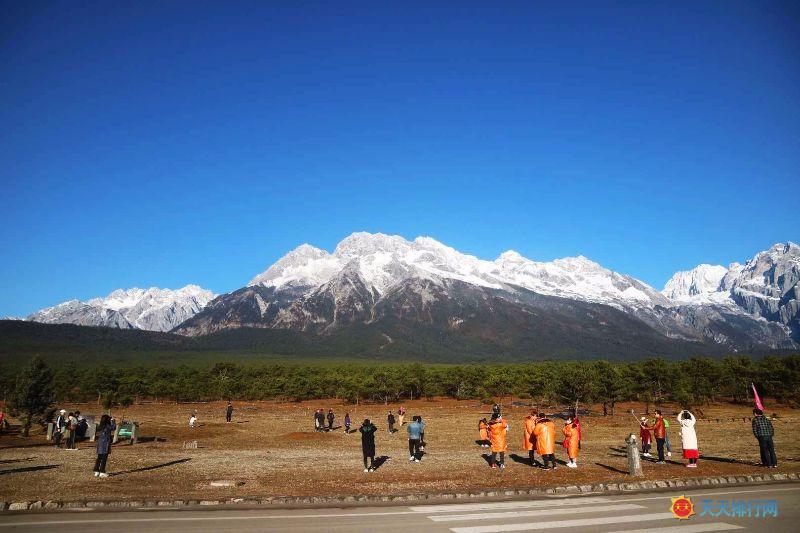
644,435
660,433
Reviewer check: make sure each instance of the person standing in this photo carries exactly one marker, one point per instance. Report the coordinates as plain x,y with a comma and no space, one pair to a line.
331,418
58,427
644,436
688,438
192,419
347,422
545,433
2,420
528,440
414,438
401,415
421,434
498,433
319,420
666,437
483,433
71,432
103,437
764,432
229,413
496,411
368,430
571,441
659,431
390,419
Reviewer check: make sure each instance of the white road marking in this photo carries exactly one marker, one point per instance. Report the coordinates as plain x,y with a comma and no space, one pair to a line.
538,512
691,528
456,507
580,522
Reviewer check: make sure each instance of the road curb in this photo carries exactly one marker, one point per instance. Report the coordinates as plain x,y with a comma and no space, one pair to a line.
353,500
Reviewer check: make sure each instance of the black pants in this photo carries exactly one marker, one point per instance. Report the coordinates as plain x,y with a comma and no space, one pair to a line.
100,463
228,417
371,456
767,449
71,440
531,458
413,448
549,458
347,428
660,447
645,447
330,424
502,458
57,438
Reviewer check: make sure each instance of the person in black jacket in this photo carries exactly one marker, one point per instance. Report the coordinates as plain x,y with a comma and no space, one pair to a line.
103,437
763,431
331,418
368,430
390,420
228,413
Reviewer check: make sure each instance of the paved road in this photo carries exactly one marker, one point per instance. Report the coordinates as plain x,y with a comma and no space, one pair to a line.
632,513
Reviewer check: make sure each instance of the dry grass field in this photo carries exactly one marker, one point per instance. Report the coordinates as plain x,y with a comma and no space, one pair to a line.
273,450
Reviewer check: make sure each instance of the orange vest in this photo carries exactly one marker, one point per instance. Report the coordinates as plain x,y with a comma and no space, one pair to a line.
571,441
545,432
484,435
497,434
528,440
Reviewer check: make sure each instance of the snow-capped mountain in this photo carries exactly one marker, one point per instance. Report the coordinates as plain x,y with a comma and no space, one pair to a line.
385,287
695,284
765,286
151,309
383,260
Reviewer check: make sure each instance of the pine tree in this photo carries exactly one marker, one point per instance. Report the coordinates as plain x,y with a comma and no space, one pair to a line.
33,393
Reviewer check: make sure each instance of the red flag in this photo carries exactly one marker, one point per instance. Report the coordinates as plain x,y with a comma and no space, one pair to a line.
755,395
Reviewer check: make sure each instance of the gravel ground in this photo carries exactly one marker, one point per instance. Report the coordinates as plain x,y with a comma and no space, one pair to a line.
272,450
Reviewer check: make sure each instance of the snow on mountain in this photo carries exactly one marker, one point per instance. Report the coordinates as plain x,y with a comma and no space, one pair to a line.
382,261
695,284
151,309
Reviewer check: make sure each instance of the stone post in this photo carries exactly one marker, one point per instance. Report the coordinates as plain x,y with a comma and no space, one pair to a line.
135,433
116,434
50,427
91,431
634,461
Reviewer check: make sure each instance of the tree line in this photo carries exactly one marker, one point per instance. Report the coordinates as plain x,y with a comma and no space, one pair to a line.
692,381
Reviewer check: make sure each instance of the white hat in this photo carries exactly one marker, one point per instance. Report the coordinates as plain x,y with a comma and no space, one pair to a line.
63,411
644,419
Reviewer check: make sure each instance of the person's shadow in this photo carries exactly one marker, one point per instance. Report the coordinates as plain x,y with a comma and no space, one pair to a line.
524,460
488,458
378,462
147,468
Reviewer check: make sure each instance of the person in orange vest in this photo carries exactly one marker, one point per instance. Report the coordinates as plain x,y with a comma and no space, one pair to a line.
545,433
571,442
483,433
498,428
528,440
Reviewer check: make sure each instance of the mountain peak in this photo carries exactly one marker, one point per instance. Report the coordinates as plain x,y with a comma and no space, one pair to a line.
510,256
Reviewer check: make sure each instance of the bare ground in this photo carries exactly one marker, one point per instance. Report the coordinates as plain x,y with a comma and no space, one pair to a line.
273,449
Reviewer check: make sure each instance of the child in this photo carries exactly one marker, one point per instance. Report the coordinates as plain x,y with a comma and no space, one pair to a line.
483,433
192,420
571,442
347,423
390,420
644,435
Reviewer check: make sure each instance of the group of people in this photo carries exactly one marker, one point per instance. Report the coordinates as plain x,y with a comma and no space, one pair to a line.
320,419
539,437
659,429
416,438
68,429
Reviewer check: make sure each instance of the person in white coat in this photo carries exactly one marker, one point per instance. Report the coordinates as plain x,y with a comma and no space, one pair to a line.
688,438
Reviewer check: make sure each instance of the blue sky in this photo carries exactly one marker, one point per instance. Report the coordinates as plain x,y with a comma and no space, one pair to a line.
158,145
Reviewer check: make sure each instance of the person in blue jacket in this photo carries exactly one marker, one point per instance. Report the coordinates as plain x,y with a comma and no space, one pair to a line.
103,437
